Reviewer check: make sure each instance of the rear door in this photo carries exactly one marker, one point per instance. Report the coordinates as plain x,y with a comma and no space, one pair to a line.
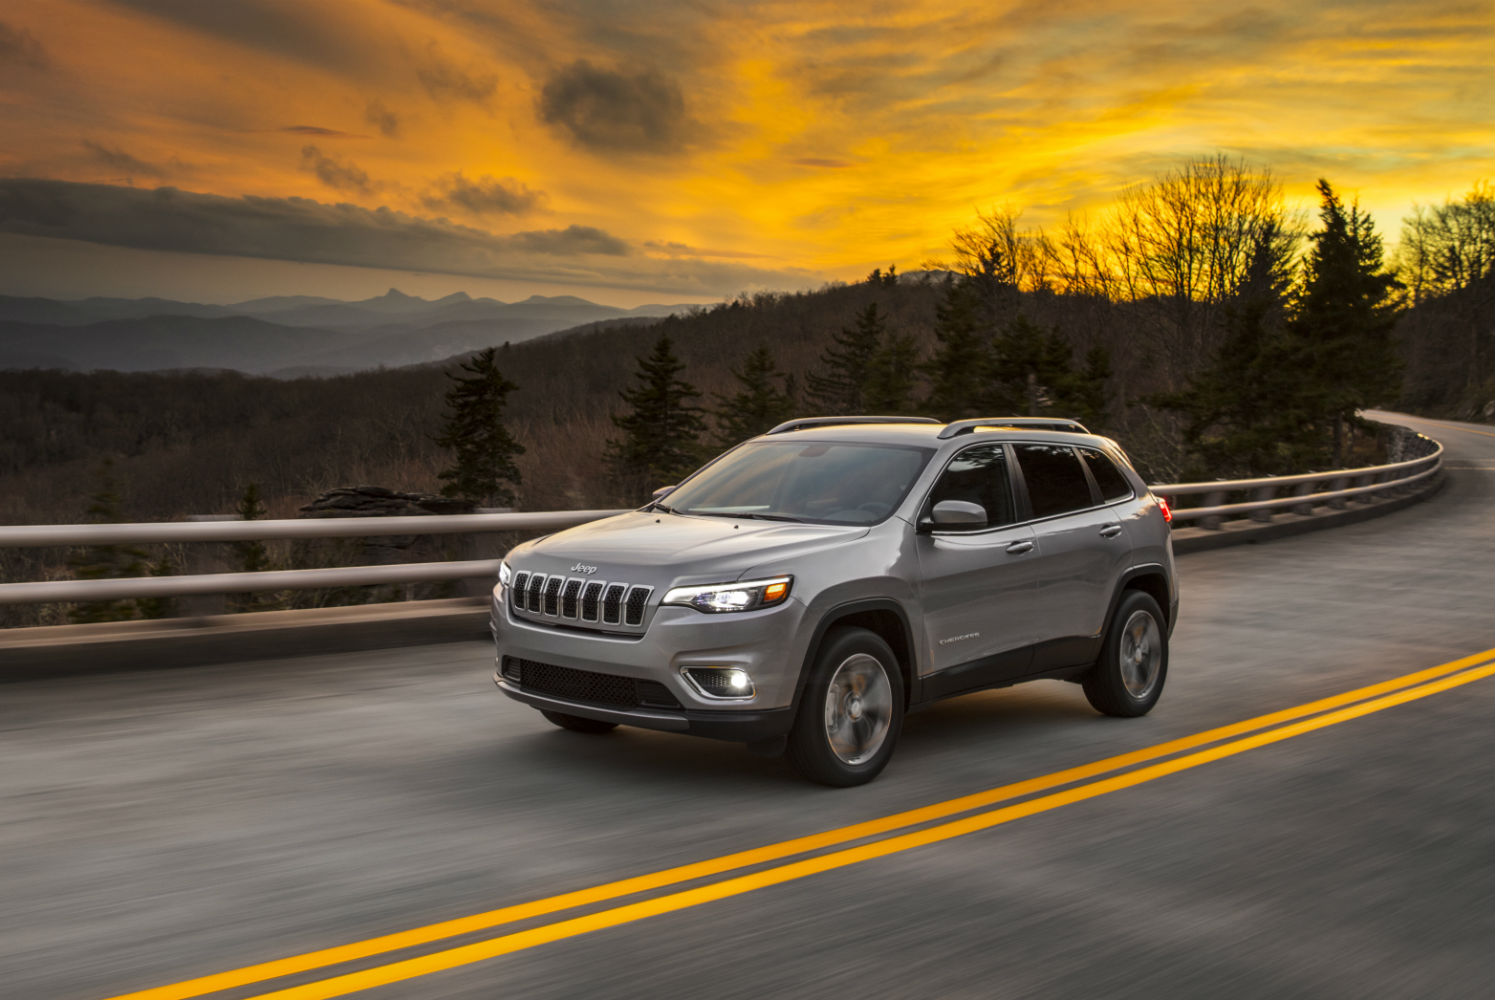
977,586
1081,552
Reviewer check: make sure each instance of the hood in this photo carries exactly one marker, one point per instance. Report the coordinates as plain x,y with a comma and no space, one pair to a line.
665,548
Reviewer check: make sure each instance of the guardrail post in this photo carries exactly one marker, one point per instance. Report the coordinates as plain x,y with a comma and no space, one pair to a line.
1264,493
1343,482
1302,490
1214,521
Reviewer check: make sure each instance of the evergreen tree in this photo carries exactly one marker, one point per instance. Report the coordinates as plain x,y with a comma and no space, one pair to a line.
1032,371
758,404
838,387
105,561
1345,317
1252,412
957,371
662,430
892,376
483,449
251,556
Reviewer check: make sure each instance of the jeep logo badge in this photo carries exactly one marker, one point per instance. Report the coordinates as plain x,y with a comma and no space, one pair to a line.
584,568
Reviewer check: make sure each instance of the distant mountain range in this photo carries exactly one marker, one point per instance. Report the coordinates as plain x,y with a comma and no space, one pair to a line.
282,335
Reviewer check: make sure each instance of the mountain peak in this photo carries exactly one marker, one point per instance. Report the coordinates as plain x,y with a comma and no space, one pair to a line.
454,297
395,295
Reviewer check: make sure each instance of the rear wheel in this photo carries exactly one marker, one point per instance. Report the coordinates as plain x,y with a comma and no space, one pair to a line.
579,723
1128,678
851,712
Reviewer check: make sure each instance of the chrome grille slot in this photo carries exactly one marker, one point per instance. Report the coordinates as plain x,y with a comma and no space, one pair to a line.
637,598
569,596
552,605
536,589
591,601
519,590
612,604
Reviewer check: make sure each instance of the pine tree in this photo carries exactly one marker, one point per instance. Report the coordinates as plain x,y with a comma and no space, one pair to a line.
1251,411
957,371
483,449
158,607
105,561
1345,317
838,387
662,430
1032,370
892,376
250,556
758,403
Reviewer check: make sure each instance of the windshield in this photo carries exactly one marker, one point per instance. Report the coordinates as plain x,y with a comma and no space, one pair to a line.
803,481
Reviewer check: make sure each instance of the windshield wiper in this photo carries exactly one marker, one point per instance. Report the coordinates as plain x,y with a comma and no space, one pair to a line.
656,505
773,517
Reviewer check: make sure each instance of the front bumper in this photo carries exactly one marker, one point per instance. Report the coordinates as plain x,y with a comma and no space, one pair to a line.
744,726
763,643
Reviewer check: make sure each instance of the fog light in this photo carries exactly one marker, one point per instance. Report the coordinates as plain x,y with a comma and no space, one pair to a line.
720,682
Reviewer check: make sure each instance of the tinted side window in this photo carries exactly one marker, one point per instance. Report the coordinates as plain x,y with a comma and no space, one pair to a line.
1113,485
979,475
1056,480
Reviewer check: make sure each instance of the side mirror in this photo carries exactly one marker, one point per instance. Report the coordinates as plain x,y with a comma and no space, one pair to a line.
661,493
955,514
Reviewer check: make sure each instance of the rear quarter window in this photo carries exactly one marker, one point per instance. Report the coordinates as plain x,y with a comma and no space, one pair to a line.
1056,480
1113,485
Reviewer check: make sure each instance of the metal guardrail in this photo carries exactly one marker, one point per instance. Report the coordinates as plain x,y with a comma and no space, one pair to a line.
1344,485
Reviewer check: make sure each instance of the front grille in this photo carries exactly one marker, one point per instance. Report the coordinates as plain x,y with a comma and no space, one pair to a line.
580,599
586,686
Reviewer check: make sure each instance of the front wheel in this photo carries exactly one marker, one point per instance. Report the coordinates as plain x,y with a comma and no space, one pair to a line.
579,723
1128,678
851,712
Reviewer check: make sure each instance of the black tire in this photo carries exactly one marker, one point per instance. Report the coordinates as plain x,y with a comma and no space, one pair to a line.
1128,678
579,723
857,671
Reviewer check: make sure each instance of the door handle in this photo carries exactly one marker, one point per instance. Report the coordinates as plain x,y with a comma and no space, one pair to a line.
1018,548
1110,531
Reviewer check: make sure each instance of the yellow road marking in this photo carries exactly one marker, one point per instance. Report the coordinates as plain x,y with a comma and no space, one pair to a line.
1457,427
490,919
576,926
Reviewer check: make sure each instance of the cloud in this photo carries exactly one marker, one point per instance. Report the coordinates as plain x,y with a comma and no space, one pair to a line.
483,196
446,82
117,159
19,46
821,162
571,240
317,130
610,110
336,174
385,120
300,229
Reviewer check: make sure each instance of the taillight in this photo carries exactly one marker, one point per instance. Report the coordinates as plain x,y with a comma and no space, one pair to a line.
1163,506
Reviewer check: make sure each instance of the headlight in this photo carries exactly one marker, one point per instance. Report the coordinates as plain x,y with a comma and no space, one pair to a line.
716,598
504,574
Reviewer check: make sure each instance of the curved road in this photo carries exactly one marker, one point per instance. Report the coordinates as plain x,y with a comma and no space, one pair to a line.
161,826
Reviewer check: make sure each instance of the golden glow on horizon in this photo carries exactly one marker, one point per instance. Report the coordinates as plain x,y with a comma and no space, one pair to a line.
780,146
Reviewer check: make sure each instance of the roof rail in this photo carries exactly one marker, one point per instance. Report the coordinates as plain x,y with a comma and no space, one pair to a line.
803,423
958,427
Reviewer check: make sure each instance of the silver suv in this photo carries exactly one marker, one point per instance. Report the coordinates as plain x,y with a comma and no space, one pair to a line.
807,588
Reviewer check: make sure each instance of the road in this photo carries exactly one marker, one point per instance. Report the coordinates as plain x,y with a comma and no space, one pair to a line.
161,826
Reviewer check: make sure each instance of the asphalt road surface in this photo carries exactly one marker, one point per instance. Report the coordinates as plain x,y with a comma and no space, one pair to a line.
160,827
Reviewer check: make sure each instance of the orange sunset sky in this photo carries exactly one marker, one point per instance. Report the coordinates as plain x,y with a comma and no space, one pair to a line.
677,150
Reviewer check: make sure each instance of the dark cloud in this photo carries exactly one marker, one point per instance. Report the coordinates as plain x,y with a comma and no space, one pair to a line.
817,161
310,33
571,240
610,110
317,130
20,47
445,81
300,229
483,196
336,174
385,120
117,159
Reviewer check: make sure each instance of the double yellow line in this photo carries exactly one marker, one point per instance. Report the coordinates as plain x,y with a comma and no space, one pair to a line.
1218,743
